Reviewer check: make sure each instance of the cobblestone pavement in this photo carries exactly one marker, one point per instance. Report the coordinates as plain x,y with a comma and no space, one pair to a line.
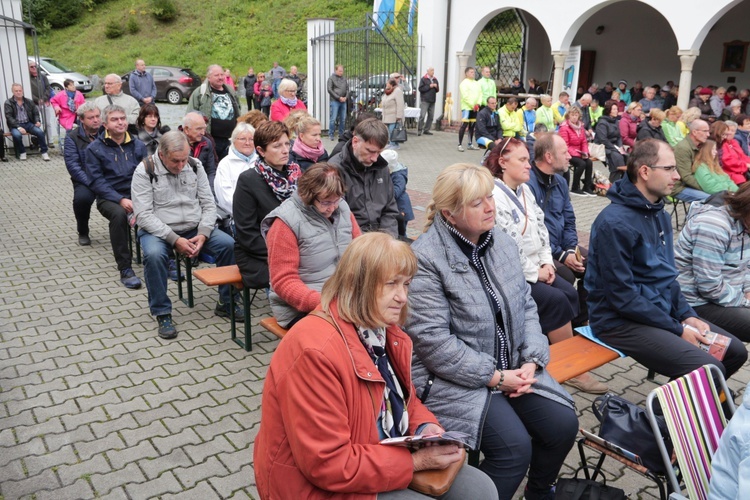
94,404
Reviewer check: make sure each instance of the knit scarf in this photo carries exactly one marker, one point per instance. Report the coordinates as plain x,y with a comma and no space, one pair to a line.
283,183
289,102
394,419
306,151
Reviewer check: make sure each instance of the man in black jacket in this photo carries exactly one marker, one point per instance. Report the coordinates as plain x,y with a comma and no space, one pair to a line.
201,147
22,117
76,142
369,190
249,83
488,128
428,88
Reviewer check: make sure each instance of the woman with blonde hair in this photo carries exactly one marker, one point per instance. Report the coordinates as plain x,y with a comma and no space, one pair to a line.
687,118
670,126
707,170
340,382
292,121
479,350
308,149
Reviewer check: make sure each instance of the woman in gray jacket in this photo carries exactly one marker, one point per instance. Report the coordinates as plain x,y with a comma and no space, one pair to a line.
479,353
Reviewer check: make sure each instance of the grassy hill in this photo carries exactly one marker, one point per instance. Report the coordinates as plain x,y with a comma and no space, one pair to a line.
234,33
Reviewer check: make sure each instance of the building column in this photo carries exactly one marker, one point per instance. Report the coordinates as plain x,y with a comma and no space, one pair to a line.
687,60
559,56
320,65
463,63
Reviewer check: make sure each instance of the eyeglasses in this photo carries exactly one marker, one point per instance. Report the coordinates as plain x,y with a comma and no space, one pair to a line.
246,140
702,130
666,168
329,204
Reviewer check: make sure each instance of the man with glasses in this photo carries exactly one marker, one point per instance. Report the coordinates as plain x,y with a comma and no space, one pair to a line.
687,188
113,95
635,302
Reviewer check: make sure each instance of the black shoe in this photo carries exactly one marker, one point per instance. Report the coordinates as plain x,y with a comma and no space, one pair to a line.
3,159
166,327
577,192
84,240
129,279
427,132
222,310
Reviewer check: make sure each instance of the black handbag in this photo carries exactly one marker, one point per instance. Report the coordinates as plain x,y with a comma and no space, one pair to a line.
626,425
586,489
399,133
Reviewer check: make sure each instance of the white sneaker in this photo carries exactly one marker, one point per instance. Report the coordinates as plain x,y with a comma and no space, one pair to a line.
23,157
45,157
460,148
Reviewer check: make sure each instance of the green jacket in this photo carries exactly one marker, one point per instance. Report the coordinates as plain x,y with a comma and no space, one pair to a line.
511,121
471,94
713,183
595,115
672,132
489,89
201,101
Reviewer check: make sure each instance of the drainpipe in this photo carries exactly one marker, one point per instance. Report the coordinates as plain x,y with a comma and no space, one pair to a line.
445,64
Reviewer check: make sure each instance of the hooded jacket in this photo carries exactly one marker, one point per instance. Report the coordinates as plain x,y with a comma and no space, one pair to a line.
369,192
110,166
631,273
713,257
552,196
76,142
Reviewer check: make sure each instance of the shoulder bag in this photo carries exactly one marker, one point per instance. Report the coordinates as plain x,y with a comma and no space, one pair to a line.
399,133
586,489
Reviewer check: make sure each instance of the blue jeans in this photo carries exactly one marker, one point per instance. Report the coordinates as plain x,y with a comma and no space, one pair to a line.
690,194
156,255
391,127
30,129
338,110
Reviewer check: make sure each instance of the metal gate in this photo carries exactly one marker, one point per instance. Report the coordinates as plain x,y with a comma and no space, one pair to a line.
502,46
384,44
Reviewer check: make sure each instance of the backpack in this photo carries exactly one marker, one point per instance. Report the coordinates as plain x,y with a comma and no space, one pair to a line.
148,162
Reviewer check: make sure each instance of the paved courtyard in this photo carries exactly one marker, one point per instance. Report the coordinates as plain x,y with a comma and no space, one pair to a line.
94,405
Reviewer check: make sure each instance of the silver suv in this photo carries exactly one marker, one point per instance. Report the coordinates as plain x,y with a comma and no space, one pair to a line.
57,73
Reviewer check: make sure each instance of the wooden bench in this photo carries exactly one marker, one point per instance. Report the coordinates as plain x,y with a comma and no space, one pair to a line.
273,326
230,275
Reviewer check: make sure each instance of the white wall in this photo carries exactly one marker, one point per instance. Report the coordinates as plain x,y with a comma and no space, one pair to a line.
732,26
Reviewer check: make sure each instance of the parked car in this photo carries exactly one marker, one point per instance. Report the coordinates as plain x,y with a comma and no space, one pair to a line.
173,84
57,73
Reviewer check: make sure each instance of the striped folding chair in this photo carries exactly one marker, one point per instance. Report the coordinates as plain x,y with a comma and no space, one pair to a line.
695,420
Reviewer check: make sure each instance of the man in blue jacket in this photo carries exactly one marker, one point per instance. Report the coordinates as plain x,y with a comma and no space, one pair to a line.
551,193
110,162
635,302
141,84
76,142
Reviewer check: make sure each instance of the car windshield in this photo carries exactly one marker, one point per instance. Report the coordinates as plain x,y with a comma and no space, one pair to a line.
52,66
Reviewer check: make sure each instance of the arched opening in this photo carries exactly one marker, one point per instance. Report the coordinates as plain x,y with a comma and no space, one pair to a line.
627,40
513,44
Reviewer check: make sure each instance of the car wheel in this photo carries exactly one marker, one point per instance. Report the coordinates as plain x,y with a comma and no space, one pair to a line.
174,96
56,87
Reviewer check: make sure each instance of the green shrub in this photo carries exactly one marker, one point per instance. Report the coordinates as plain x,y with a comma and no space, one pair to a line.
164,10
113,30
133,27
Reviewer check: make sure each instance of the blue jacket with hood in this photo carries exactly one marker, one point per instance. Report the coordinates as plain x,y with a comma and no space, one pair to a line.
631,273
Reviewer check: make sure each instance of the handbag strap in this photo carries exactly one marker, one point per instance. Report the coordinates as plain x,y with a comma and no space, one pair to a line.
599,403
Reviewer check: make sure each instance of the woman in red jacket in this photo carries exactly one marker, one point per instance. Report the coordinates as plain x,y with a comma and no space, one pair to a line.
629,123
340,382
731,157
571,130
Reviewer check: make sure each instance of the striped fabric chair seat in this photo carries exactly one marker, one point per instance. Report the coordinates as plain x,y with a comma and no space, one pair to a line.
695,420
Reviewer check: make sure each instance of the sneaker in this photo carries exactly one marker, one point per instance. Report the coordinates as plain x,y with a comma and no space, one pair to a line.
427,132
330,138
222,310
588,384
460,148
84,240
419,133
3,159
589,192
166,327
577,192
173,270
472,147
45,157
22,157
129,279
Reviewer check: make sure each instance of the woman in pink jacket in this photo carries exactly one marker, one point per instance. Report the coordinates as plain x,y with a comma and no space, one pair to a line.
66,103
629,123
572,132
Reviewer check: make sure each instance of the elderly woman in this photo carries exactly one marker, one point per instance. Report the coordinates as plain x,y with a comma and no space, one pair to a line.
308,148
733,160
670,126
66,103
260,189
149,127
287,101
241,157
479,350
545,114
713,261
393,108
629,123
339,382
306,237
574,136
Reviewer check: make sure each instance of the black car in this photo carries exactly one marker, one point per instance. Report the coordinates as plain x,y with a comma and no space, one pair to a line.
173,84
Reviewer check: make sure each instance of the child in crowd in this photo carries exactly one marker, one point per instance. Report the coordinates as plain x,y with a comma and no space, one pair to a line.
399,178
